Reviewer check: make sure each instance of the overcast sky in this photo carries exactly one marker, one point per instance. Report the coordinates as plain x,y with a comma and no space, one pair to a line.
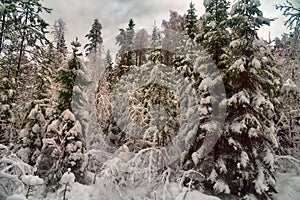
115,14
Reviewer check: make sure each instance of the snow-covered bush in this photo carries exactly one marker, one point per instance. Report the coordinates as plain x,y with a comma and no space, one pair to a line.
62,149
31,182
67,179
11,168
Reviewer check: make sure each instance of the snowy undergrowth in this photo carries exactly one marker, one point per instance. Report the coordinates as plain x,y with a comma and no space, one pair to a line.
124,175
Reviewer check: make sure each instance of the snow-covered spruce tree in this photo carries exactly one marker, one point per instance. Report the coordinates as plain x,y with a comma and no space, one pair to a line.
8,118
215,36
191,22
22,29
286,51
243,161
84,95
63,147
185,60
39,113
156,36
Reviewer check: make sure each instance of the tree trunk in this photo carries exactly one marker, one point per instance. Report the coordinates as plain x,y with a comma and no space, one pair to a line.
2,32
22,43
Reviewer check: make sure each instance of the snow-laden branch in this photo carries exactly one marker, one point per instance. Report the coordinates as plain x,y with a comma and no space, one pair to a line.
291,159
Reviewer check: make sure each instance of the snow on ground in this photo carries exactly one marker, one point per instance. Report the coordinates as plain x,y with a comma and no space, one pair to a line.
31,180
77,192
16,197
288,187
195,195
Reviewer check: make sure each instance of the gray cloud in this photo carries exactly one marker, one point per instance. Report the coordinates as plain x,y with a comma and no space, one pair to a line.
115,14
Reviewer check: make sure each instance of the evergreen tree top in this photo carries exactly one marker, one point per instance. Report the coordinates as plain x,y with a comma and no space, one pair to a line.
191,21
95,37
131,24
249,17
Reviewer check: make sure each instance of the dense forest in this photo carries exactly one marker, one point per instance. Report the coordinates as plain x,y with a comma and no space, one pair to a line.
199,108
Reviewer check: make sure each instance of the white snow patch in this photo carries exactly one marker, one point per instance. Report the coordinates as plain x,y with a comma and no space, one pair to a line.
54,125
33,113
36,128
68,177
194,195
256,63
68,115
288,187
221,187
16,197
260,185
269,158
213,176
32,180
244,159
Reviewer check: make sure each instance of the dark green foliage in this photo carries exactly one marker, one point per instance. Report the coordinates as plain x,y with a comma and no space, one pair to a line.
95,38
23,27
191,26
292,11
67,77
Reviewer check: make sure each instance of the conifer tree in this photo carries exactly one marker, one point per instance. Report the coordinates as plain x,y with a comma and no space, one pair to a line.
286,51
95,38
215,36
108,60
130,39
141,43
8,94
58,32
67,77
62,145
125,40
31,26
155,41
191,22
172,31
7,9
40,112
243,161
156,45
